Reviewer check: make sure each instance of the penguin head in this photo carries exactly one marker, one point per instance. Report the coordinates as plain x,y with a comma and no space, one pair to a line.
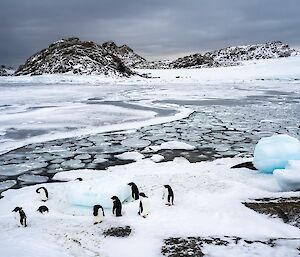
166,186
40,188
131,184
43,208
114,198
97,207
79,179
142,194
17,209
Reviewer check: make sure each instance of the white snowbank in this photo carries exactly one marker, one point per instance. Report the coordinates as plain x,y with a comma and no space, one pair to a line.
289,178
274,152
173,145
130,156
208,202
157,158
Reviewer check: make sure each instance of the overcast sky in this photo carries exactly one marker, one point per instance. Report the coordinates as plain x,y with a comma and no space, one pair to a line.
155,29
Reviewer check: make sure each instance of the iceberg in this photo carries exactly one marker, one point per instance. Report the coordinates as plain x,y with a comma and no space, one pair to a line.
274,152
289,179
97,191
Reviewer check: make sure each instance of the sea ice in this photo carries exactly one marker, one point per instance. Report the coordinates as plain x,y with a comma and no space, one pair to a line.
157,158
274,152
136,156
135,142
28,178
7,184
172,145
289,178
97,191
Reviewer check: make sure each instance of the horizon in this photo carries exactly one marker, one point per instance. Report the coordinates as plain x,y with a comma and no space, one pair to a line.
155,30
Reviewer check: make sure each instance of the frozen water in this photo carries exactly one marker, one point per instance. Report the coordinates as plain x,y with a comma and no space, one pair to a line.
274,152
130,156
136,142
28,178
12,170
7,184
73,164
83,156
176,145
157,158
289,178
97,191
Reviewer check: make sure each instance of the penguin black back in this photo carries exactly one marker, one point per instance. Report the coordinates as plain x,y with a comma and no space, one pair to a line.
22,216
96,209
38,190
170,196
117,206
134,190
43,209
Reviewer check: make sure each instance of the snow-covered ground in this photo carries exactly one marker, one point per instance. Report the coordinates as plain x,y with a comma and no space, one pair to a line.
208,198
208,195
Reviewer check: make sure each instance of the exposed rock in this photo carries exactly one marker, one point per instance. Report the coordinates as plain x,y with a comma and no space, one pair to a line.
234,55
194,246
118,231
74,56
248,165
6,70
287,209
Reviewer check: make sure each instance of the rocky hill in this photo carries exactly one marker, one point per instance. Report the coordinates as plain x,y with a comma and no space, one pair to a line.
234,55
74,56
6,70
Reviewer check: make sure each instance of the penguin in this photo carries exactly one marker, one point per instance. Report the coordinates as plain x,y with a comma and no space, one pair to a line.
20,216
42,191
79,179
144,206
98,213
43,209
117,206
134,191
168,195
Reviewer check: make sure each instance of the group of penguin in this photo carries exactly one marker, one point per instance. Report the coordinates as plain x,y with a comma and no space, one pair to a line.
98,211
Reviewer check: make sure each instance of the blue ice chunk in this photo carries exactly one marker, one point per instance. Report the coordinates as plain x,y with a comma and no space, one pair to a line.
274,152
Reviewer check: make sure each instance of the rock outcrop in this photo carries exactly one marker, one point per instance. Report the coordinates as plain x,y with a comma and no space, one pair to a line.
234,55
6,70
74,56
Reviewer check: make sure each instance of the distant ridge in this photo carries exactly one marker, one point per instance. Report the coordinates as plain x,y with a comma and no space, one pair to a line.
234,55
74,56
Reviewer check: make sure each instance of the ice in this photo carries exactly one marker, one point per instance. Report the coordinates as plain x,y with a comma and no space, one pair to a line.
98,191
12,170
289,178
136,156
135,142
7,184
274,152
172,145
74,164
27,178
157,158
83,157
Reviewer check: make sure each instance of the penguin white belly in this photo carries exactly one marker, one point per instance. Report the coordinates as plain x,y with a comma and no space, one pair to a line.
165,196
99,218
17,218
146,207
43,196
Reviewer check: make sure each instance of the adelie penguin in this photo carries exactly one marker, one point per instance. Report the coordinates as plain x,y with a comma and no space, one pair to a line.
42,191
168,195
43,209
117,206
98,213
144,205
134,191
20,216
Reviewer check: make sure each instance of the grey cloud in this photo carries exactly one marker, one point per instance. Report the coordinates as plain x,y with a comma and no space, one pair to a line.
155,29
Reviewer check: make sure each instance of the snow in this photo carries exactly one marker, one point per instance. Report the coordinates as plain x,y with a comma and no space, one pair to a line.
157,158
289,178
207,203
274,152
130,156
176,145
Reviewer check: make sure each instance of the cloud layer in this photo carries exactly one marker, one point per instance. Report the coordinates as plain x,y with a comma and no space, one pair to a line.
155,29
